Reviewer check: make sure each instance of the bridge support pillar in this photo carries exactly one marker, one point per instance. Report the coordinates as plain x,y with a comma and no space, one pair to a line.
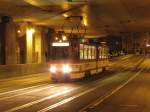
7,41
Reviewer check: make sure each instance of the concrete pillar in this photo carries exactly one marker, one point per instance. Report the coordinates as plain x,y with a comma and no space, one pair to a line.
8,41
38,43
2,44
43,46
29,45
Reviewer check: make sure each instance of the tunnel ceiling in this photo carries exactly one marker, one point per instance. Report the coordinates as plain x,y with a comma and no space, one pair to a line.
103,17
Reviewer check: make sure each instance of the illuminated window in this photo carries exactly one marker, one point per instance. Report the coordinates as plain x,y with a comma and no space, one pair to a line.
85,52
100,52
81,51
93,52
89,52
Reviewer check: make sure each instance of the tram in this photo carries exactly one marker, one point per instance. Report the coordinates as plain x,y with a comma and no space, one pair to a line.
76,59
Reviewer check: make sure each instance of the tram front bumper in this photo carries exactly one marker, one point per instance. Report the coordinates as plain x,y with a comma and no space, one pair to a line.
60,77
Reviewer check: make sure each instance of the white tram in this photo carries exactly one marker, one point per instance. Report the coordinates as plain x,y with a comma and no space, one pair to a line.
74,60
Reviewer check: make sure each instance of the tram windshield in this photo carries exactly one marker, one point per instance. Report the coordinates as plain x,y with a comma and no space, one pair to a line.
59,53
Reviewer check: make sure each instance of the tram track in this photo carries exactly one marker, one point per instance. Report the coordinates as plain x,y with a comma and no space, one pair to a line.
83,90
18,90
31,87
110,93
96,102
58,103
70,94
23,93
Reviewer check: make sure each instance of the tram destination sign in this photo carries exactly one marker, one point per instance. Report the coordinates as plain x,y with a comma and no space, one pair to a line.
60,44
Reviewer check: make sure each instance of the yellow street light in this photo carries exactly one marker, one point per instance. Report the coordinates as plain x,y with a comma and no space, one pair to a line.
18,31
64,38
32,30
56,38
85,22
65,15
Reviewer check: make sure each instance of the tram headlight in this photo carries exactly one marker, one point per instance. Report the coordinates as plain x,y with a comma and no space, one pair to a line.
66,69
53,69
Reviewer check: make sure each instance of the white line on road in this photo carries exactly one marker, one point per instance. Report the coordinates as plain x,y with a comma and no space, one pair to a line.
31,91
8,92
53,96
41,100
68,99
103,98
128,105
65,100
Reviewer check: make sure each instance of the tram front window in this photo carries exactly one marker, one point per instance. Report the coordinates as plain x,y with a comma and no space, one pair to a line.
59,53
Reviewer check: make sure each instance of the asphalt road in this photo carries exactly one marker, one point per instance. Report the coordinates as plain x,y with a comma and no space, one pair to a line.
123,88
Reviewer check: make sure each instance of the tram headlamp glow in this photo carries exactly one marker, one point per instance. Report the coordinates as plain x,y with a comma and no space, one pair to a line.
52,69
66,69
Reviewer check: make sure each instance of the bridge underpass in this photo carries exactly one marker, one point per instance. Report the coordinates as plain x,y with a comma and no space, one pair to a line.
27,31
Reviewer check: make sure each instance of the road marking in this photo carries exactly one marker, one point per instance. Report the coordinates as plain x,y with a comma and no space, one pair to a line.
67,100
12,91
49,97
104,97
31,91
53,96
128,105
41,100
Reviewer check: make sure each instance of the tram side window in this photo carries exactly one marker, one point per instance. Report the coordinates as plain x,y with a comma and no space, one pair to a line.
106,53
100,53
85,52
103,53
93,52
81,51
89,52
